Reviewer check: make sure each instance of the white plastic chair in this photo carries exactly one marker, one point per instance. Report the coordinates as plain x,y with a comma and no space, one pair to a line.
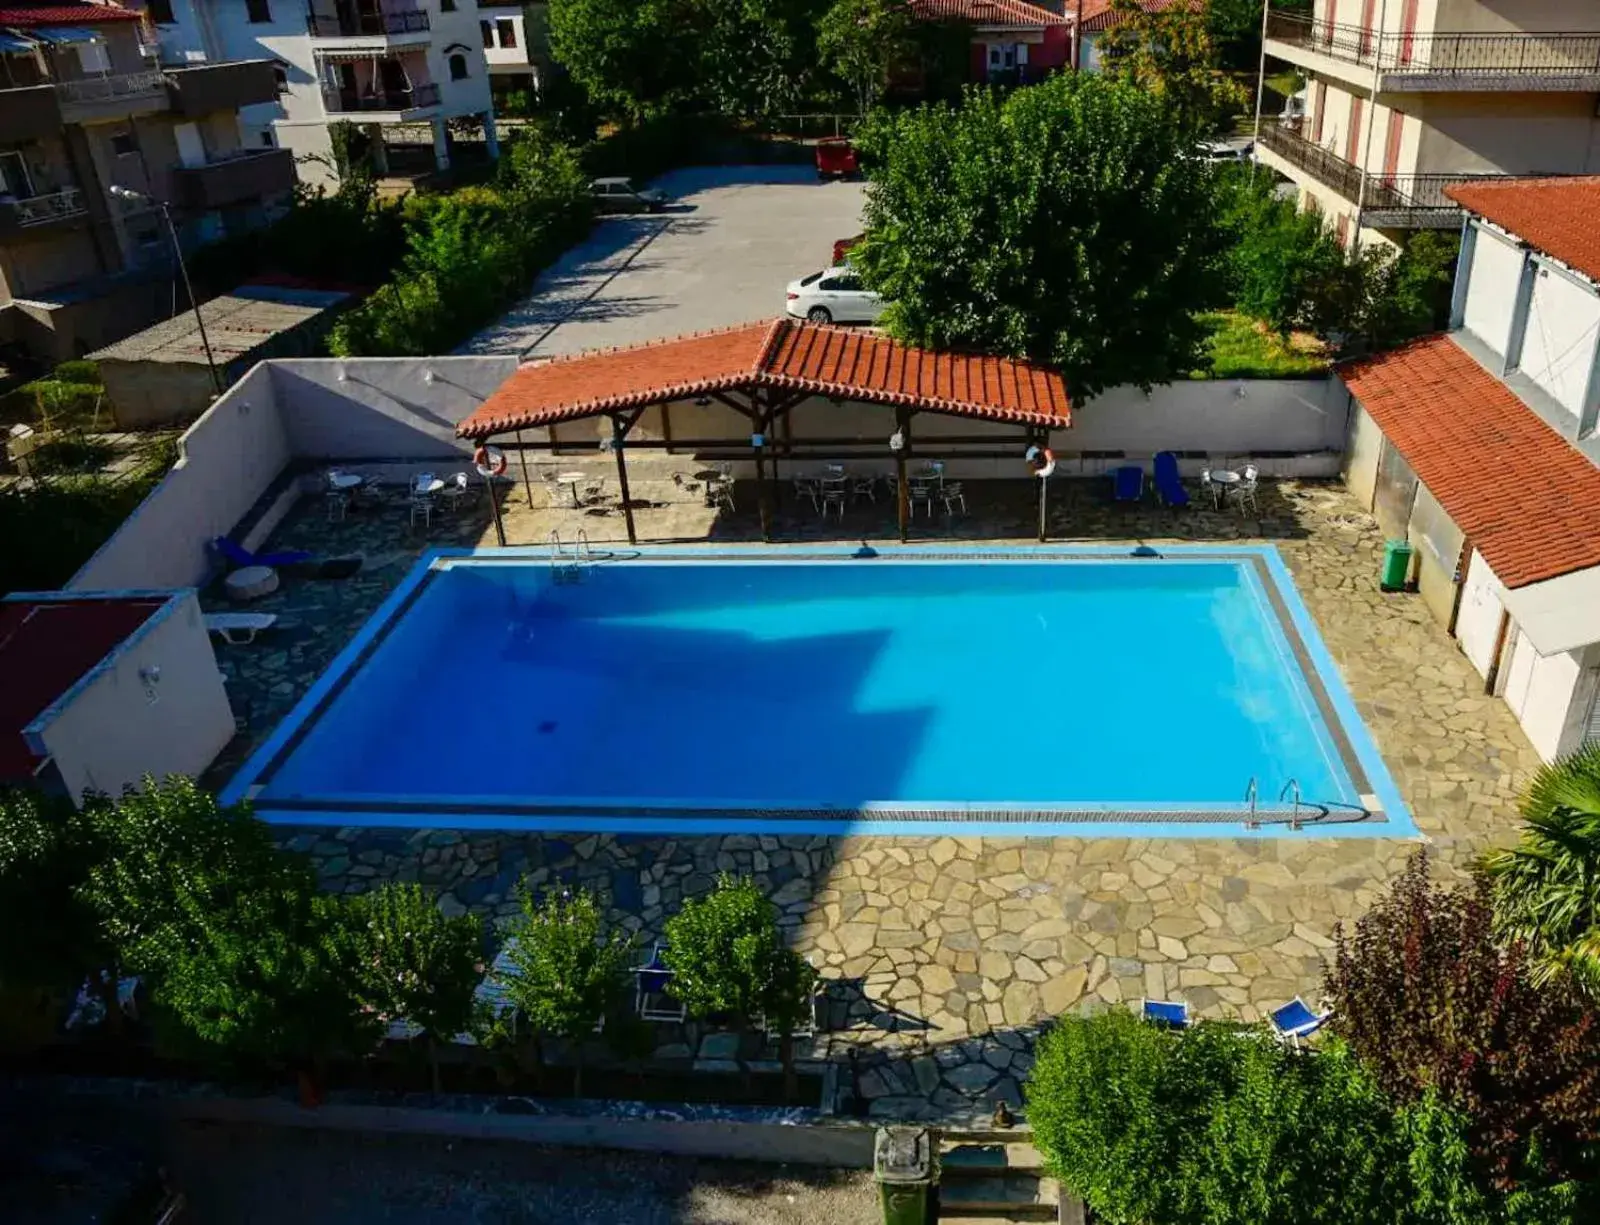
953,495
456,491
1247,490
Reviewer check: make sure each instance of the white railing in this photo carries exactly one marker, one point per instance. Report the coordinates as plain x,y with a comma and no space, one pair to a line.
105,89
36,210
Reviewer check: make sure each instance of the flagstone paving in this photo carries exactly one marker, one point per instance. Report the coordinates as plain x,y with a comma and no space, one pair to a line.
945,955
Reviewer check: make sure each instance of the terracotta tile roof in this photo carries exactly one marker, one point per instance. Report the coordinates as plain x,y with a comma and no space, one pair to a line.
1098,14
1527,499
1008,13
45,647
1560,216
29,16
785,354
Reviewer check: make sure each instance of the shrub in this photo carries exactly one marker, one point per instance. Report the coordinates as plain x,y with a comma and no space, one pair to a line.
49,936
1429,1001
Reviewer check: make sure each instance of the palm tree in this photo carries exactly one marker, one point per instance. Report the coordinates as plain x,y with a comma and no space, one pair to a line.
1547,887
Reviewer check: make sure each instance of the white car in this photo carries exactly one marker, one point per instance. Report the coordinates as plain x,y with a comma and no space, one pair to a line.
834,295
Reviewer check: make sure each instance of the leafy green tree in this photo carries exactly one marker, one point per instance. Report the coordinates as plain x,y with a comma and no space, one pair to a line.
1547,887
863,42
567,969
420,965
1064,223
1430,1002
728,959
49,936
1170,52
634,57
757,57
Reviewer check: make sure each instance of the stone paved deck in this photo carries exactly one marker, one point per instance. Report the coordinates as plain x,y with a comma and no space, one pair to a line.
945,954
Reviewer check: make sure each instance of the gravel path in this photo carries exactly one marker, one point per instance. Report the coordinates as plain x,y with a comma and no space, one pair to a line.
246,1175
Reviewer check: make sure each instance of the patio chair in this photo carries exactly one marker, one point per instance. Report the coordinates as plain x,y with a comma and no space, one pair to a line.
833,497
652,994
594,490
1210,489
1169,485
920,489
457,489
952,495
864,487
237,556
422,499
239,629
720,493
1295,1021
1169,1014
1246,492
337,502
1127,483
806,487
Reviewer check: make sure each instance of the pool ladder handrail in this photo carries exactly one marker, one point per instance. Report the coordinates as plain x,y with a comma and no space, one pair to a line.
568,568
1251,794
1292,787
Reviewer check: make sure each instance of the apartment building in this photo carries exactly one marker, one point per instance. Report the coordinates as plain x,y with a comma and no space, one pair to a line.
516,45
1406,97
394,67
1482,447
85,105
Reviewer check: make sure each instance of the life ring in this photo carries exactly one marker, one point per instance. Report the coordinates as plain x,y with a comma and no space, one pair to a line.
1043,460
491,461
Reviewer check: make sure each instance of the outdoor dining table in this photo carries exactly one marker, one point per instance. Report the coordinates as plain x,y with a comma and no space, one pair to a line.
1223,480
572,480
345,480
425,486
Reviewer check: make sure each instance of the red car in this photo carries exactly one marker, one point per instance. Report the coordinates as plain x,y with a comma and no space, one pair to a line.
841,250
836,158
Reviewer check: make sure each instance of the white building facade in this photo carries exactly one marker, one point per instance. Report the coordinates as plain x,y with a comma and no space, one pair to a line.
389,66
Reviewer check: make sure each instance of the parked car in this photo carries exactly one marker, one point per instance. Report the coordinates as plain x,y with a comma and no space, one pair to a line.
834,295
1225,151
836,159
619,195
841,250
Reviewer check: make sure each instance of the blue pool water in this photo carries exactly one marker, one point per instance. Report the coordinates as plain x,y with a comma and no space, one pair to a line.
883,686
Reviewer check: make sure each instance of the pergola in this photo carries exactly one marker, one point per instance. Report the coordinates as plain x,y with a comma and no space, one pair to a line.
763,371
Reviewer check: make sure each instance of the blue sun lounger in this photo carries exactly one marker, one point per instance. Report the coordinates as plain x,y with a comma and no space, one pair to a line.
1170,1014
1127,483
236,555
1169,485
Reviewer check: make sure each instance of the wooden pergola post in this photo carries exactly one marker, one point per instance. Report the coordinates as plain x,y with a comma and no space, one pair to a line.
619,433
758,429
902,424
494,502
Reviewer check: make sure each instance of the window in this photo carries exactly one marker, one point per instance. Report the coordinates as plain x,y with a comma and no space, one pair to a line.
488,33
123,144
447,6
14,180
458,67
507,30
280,75
257,11
160,12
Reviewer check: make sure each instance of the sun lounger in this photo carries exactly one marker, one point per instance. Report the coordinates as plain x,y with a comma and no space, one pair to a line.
1169,485
236,555
1295,1021
1127,483
1172,1014
239,629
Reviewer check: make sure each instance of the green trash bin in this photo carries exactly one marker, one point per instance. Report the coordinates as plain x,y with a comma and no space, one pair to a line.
902,1163
1396,564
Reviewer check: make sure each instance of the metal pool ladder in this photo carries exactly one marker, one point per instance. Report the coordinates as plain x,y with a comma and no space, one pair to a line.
567,563
1250,795
1292,787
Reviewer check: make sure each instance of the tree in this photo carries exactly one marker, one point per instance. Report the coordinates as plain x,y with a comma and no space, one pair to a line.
567,969
1170,52
49,936
1430,1003
863,41
420,965
634,57
1065,223
1547,887
728,959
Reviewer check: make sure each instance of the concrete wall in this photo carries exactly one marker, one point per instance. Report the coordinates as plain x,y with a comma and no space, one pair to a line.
155,705
1492,289
1479,620
1437,541
1558,347
227,459
1363,450
1518,133
1540,689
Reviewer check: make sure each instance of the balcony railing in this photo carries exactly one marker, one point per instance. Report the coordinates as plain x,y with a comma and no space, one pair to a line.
366,24
107,89
342,100
40,210
1408,201
1522,53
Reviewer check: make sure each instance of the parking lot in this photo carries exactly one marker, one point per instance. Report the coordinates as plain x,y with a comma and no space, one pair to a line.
721,254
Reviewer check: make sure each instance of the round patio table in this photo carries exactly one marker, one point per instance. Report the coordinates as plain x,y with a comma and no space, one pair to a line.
572,480
250,583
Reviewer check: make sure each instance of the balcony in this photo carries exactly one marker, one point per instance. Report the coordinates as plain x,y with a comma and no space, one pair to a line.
112,97
1554,61
206,88
36,212
394,28
28,113
1390,202
233,180
404,103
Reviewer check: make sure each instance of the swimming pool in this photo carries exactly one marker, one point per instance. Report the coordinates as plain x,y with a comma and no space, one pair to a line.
1029,691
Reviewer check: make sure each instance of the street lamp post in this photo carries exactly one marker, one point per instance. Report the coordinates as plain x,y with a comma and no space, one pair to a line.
127,193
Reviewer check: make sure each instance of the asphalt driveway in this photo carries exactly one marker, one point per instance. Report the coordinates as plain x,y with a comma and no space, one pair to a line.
720,255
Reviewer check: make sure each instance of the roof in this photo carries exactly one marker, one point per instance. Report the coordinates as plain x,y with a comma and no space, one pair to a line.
784,354
24,17
1525,498
46,646
1560,216
237,323
987,12
1099,15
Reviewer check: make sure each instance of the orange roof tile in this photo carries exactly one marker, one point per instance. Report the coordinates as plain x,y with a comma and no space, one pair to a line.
1098,14
1560,216
784,354
1009,13
1526,499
